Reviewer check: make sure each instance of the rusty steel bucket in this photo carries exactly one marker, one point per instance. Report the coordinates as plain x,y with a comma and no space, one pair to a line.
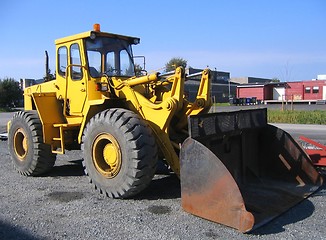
239,171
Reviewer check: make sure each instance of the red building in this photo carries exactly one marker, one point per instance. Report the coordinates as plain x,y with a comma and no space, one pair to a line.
297,91
260,91
306,90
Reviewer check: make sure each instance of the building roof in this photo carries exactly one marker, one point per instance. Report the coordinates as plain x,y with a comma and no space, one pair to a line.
277,84
196,82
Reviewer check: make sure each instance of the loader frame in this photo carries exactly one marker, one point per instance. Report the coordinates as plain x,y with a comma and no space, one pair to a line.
163,102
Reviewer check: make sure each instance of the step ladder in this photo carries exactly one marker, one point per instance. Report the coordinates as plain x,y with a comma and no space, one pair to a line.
61,139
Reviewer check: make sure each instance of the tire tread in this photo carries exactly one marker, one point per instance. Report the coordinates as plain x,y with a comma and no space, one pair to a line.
142,147
42,159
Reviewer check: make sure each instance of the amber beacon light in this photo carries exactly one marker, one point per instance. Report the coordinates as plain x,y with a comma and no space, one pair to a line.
97,27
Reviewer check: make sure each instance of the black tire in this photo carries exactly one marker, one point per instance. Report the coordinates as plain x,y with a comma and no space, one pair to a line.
130,163
30,156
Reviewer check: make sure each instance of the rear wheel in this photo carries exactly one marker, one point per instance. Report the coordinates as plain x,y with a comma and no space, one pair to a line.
30,155
120,153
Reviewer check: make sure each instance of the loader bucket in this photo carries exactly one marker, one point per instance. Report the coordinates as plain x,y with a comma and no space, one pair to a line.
239,171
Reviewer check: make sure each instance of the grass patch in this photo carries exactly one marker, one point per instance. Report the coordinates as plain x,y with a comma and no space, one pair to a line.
221,104
297,117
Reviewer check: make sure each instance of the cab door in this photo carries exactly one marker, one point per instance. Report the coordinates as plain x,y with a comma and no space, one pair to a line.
76,82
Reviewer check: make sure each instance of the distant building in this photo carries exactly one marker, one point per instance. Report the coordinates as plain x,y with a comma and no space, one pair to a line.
221,87
253,87
262,92
26,82
301,91
321,77
217,76
306,90
246,80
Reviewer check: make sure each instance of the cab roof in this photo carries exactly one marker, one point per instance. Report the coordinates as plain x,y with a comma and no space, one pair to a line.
131,40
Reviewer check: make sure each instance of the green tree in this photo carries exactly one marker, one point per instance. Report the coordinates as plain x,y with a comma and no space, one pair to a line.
276,80
139,71
50,76
174,63
11,94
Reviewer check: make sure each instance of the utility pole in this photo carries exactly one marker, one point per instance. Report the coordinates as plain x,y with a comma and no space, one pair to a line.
229,90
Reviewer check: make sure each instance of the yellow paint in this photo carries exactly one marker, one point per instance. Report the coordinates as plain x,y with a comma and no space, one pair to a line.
67,103
20,144
106,155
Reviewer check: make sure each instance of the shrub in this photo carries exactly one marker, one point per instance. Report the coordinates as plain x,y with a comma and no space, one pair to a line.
11,95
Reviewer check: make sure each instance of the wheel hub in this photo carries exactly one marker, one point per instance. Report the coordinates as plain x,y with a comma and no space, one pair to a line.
20,144
110,154
106,155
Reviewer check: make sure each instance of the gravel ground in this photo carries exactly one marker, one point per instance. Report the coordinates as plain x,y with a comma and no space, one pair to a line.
63,205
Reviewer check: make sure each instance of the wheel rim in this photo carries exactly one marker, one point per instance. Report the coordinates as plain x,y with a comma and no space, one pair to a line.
20,144
106,155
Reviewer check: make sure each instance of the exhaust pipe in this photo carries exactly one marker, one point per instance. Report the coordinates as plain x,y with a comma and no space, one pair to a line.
47,70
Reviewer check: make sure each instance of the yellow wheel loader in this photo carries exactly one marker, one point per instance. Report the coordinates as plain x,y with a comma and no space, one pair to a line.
235,168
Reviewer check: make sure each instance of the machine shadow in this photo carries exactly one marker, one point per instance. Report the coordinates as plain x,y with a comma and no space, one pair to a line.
161,187
165,184
298,213
9,231
72,169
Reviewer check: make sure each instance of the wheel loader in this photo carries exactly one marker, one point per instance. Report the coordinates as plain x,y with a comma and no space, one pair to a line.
235,168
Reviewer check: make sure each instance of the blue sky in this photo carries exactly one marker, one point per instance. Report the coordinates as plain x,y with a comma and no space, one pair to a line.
280,38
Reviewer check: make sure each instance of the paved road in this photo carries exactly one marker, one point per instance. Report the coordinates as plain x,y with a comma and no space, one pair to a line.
304,107
4,118
315,132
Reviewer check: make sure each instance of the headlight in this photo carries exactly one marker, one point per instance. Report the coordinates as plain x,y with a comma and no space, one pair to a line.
93,36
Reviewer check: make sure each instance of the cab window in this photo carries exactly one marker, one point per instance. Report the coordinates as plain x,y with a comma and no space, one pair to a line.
76,70
114,55
110,64
126,68
62,61
94,63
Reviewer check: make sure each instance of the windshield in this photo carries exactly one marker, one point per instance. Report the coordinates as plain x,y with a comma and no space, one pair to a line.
111,56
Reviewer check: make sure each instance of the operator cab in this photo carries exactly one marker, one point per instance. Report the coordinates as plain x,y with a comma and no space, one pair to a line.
83,59
104,53
109,54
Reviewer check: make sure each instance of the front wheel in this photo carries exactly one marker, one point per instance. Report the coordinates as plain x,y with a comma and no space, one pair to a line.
120,153
25,142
